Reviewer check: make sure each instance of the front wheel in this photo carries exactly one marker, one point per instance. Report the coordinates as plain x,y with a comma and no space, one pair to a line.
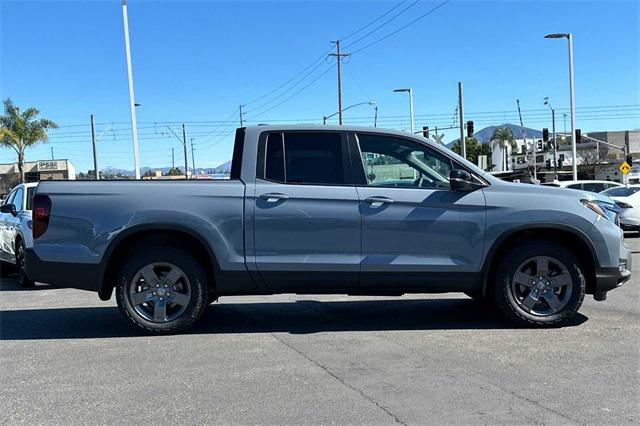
162,290
539,283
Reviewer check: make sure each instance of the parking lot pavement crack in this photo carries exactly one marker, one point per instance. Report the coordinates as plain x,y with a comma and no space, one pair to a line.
482,379
341,380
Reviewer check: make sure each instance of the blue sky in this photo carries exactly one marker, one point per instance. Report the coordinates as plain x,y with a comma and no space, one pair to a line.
195,62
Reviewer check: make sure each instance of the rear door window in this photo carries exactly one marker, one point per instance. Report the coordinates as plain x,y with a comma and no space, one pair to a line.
30,192
575,186
305,158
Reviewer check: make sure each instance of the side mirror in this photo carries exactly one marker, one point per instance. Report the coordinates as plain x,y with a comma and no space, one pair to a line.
461,180
8,208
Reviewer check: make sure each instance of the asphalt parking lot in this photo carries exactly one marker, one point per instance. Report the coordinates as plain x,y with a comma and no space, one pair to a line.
66,357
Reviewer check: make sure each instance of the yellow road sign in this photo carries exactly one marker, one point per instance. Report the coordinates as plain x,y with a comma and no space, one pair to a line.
624,168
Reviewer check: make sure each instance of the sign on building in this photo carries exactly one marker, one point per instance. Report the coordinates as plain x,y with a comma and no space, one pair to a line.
47,165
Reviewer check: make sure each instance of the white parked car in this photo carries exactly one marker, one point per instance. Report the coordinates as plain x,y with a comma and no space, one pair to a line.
628,199
585,185
15,230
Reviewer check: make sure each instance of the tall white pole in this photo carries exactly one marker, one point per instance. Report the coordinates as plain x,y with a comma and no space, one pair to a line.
411,110
572,108
134,123
463,142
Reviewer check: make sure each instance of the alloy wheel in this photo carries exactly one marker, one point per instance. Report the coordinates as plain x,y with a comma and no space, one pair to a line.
160,292
541,285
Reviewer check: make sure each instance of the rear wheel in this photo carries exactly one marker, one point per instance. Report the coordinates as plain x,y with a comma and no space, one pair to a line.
540,284
22,276
162,290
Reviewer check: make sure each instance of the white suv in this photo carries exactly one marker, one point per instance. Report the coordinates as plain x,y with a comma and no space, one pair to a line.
584,185
15,229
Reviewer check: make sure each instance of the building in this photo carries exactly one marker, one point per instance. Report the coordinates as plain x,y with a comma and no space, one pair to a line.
35,171
595,160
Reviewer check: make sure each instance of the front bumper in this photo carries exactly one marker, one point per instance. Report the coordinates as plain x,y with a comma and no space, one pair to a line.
609,278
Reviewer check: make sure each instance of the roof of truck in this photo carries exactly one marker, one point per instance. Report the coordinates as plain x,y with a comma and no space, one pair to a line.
316,127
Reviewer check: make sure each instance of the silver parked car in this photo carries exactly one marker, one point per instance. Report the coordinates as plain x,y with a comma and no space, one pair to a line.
15,230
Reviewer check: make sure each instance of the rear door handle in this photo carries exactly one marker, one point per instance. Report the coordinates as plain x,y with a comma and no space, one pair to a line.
376,202
274,197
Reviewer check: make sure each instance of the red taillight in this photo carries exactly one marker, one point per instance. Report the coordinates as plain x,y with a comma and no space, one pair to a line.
40,214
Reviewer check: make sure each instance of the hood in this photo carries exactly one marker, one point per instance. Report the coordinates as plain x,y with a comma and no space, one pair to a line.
525,188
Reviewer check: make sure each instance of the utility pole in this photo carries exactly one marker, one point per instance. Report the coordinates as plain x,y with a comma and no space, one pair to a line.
463,143
52,153
533,141
132,102
193,158
338,57
241,114
93,140
375,118
173,159
184,143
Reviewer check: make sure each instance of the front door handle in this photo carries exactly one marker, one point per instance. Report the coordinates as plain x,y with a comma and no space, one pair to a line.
274,197
376,202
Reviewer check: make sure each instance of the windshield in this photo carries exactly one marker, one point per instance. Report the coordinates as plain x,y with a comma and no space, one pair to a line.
621,191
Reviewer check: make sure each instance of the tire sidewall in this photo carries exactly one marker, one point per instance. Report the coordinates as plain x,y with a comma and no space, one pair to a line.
22,275
192,269
505,298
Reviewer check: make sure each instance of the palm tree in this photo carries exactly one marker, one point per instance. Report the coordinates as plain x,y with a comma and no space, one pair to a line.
504,137
18,130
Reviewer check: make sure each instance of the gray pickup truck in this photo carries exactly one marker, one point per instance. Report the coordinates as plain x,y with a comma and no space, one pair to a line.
323,209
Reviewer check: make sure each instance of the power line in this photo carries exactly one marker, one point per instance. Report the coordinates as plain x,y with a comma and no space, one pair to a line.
374,21
383,24
360,49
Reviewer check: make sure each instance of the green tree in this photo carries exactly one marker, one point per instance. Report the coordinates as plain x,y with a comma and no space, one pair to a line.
503,136
474,149
19,130
174,172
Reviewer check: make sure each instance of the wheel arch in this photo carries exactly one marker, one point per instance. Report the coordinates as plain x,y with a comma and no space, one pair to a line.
565,235
169,234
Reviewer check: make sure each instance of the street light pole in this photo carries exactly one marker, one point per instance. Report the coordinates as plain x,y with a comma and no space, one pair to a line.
410,91
132,106
572,112
553,137
339,113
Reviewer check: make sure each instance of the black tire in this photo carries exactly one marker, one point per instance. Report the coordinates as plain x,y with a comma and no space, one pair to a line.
553,306
193,278
23,280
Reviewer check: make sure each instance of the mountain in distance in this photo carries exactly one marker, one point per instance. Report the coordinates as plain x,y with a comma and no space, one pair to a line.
484,135
224,167
220,169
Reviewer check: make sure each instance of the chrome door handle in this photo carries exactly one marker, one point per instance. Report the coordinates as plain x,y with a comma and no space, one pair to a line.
376,202
274,197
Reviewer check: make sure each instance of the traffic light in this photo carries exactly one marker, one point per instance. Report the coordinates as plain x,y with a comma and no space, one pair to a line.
469,129
545,134
425,131
578,136
629,159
